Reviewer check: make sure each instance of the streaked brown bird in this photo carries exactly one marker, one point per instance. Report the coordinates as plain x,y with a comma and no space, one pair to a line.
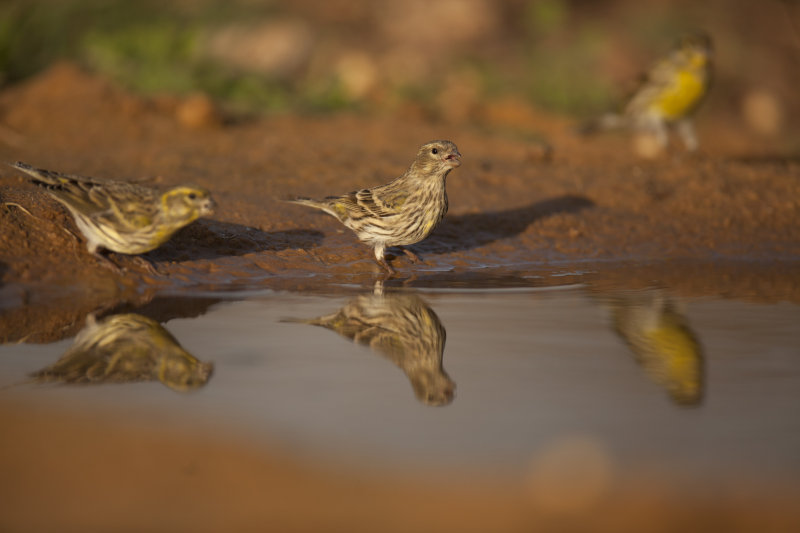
402,212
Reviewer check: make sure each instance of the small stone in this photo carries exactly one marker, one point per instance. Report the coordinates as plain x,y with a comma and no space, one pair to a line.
198,111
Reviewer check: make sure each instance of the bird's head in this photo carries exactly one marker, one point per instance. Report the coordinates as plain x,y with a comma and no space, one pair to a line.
187,203
180,371
695,49
437,157
433,387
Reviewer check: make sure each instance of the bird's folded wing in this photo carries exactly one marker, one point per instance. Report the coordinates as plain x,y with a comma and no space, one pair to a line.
378,205
126,210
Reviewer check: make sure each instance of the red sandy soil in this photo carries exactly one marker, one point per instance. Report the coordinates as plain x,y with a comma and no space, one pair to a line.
68,472
530,197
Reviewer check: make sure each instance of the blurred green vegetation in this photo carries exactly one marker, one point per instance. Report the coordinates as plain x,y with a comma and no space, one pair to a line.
150,47
562,55
153,47
556,54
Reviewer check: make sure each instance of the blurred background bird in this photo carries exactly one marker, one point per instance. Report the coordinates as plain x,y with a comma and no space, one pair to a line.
122,217
667,96
660,338
402,212
402,328
126,348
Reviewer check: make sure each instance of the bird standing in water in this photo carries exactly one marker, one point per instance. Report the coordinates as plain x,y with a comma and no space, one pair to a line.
402,212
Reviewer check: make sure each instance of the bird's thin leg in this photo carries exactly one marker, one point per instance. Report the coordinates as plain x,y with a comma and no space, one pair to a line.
660,134
687,134
380,258
385,266
147,265
107,262
411,255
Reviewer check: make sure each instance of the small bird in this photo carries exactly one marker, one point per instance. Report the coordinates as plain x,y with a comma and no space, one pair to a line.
667,95
402,328
122,217
662,342
126,348
402,212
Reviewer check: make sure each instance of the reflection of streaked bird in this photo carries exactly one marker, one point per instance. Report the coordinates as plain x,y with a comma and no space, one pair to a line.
662,342
403,328
126,348
668,94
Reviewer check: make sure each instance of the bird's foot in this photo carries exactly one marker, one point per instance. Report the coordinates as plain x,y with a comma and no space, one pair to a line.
414,258
387,268
106,262
147,265
114,266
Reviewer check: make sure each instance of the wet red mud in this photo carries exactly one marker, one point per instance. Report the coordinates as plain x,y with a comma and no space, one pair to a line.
531,204
713,223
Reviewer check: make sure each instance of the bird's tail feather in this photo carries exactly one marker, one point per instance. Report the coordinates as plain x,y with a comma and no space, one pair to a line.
323,206
608,121
46,178
307,201
38,174
325,321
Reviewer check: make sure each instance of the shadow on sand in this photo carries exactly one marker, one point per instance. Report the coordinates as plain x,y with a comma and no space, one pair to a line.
778,159
211,239
464,232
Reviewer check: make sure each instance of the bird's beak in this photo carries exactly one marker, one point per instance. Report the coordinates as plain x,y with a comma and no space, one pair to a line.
454,159
208,207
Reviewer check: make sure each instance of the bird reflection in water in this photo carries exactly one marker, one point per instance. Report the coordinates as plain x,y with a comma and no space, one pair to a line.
659,335
402,328
126,348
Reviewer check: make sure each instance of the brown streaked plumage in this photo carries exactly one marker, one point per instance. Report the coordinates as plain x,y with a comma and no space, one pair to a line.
402,212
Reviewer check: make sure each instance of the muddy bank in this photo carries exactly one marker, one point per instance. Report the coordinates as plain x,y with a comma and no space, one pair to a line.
531,205
531,202
513,202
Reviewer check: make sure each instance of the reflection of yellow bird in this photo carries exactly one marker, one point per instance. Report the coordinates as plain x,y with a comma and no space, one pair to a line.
403,328
660,338
668,94
127,348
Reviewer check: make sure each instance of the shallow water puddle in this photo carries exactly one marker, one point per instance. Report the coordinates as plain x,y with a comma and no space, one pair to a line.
457,377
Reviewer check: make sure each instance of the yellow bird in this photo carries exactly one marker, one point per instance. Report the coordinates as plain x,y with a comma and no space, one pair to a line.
667,95
122,217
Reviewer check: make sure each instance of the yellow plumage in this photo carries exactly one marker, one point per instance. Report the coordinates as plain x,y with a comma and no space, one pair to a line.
122,217
126,348
667,96
662,342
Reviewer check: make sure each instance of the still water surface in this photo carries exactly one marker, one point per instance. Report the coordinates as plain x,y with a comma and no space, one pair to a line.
482,378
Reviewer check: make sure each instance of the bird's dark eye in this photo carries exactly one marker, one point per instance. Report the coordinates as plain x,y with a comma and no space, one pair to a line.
192,196
435,151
